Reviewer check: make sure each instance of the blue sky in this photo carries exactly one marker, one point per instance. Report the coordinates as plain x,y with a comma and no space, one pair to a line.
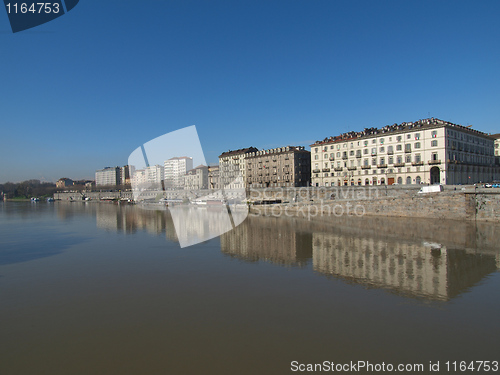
83,91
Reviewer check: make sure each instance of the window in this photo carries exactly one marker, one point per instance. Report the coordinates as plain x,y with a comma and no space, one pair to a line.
391,160
399,159
382,149
374,151
338,154
408,158
351,153
352,145
417,144
316,166
434,156
382,161
390,149
331,147
381,141
434,133
407,147
417,136
326,156
315,157
374,161
418,158
365,151
331,156
366,143
365,162
399,147
316,149
434,143
398,138
374,141
408,136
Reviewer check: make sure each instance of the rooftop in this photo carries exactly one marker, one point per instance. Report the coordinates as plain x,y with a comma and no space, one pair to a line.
398,128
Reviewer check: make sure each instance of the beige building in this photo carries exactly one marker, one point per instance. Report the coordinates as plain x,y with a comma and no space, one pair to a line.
288,166
232,168
197,178
64,182
426,151
497,154
213,177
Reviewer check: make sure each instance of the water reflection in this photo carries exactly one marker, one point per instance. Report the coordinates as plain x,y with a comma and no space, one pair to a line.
414,258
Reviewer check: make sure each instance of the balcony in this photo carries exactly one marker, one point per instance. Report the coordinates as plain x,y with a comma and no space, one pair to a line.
399,165
417,163
332,158
366,167
407,149
432,162
390,152
358,156
344,157
316,171
326,169
380,166
351,168
338,169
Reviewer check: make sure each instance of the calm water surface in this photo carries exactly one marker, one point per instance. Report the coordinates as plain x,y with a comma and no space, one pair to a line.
88,288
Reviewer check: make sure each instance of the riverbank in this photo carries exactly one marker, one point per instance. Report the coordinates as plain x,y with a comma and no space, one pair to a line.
454,205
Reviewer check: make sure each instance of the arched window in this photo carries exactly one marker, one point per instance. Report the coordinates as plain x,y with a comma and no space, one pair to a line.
408,180
400,180
418,180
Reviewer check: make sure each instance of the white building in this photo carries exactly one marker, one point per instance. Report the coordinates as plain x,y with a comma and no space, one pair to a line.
427,151
175,169
150,178
109,176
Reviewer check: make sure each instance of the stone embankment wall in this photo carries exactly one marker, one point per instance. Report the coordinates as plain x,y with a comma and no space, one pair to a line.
78,196
482,205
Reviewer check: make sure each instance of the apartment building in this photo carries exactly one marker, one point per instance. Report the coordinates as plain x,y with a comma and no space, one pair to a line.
232,168
213,177
175,170
109,176
427,151
497,152
197,178
288,166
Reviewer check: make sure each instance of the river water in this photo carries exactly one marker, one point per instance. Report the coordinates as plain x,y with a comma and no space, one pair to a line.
88,288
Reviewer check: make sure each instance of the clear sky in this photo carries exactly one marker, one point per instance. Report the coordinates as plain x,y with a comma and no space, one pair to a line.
85,90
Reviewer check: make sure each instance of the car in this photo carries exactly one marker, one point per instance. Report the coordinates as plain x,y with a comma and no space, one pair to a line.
488,185
496,185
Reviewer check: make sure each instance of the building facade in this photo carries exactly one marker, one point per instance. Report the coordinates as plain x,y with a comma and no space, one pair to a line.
174,171
428,151
109,176
232,168
288,166
197,178
64,182
213,177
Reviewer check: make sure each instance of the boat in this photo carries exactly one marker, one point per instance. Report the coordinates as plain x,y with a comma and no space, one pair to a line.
34,199
50,199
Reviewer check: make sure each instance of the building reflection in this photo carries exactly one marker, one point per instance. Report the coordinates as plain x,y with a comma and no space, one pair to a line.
423,269
268,239
419,259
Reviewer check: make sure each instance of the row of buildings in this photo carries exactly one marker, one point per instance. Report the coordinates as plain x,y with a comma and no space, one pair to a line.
428,151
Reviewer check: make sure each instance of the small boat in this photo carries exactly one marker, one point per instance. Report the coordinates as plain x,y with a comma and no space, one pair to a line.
50,199
34,199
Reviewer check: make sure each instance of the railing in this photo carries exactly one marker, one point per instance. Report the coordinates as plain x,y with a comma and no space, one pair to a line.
416,163
380,166
339,169
326,169
316,171
399,164
366,167
431,162
351,168
344,157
